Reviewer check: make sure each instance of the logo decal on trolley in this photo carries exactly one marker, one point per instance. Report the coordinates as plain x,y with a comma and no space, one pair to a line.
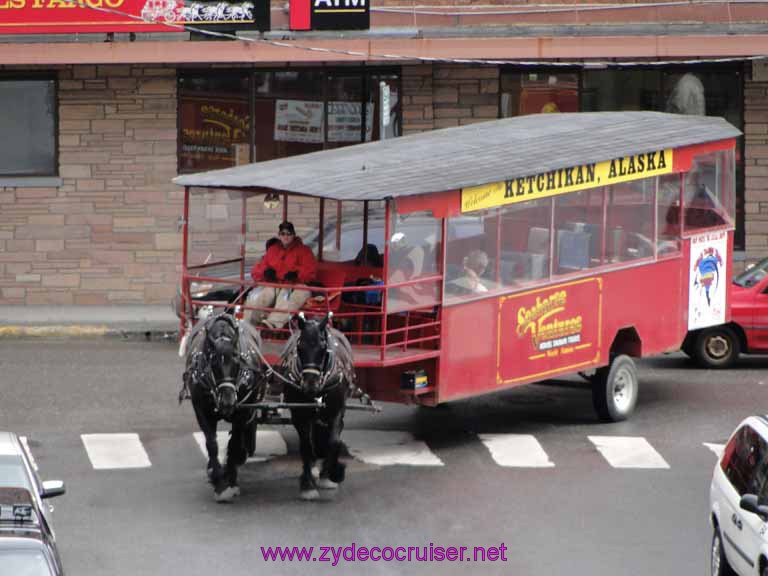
706,286
555,329
547,330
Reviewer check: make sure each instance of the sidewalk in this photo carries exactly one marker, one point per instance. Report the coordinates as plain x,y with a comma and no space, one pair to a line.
127,321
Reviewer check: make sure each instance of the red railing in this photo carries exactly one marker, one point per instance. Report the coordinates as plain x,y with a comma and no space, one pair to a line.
406,330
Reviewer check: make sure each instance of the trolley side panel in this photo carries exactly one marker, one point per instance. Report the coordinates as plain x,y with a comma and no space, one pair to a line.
490,344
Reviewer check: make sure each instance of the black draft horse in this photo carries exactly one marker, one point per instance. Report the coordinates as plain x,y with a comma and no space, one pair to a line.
317,363
223,369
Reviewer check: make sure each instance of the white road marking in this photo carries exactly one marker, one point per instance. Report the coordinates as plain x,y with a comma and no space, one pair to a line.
113,451
23,440
716,448
385,448
269,443
516,450
628,452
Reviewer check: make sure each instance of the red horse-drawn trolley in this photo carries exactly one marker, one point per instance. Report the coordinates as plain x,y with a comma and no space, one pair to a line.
468,260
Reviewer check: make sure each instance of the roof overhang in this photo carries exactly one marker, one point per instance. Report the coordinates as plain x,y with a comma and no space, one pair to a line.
380,50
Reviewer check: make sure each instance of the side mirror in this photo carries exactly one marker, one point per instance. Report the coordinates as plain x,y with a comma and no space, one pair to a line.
52,488
750,503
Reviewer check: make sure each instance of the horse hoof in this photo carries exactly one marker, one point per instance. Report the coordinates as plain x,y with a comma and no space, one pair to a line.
308,495
315,472
327,484
235,491
225,495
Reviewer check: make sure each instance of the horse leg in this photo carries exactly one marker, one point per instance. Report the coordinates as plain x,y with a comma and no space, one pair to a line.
302,421
333,471
236,456
250,436
207,425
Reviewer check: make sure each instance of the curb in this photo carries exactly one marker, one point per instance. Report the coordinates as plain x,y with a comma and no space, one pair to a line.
86,331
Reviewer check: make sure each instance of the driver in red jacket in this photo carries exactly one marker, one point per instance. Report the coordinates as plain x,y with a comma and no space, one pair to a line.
287,262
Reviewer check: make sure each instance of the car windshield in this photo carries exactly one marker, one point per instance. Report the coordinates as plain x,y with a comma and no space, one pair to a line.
752,275
24,562
13,474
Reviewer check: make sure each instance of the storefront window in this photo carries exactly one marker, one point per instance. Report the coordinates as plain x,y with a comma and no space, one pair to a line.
538,92
28,146
215,122
710,90
294,112
714,91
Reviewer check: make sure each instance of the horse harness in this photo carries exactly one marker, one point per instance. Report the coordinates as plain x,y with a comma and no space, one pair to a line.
201,364
331,373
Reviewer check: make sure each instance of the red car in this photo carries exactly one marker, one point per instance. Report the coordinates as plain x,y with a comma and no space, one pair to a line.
720,346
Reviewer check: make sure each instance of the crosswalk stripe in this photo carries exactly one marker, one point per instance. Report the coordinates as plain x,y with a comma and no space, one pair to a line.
628,452
516,450
388,448
23,440
383,448
113,451
269,443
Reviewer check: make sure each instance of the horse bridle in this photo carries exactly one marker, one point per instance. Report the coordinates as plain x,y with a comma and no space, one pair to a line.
227,383
323,372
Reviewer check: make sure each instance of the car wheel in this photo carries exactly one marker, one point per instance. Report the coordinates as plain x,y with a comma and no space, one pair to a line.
615,389
718,562
717,347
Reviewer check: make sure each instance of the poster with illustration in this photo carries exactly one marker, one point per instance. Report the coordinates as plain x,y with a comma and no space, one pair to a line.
707,280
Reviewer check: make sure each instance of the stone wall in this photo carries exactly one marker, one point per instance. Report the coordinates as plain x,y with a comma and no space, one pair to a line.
108,234
444,95
756,168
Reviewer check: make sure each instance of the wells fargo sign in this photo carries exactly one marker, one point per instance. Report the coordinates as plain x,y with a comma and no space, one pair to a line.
564,180
549,330
62,16
83,16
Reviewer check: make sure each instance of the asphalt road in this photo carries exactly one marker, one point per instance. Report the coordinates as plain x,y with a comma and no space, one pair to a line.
576,515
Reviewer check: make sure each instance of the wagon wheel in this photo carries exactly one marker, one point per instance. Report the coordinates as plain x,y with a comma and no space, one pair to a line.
614,389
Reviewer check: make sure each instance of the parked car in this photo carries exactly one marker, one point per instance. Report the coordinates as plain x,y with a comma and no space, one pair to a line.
739,502
747,332
27,539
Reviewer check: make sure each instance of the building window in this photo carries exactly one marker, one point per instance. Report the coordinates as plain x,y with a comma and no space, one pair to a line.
232,118
28,146
695,89
215,121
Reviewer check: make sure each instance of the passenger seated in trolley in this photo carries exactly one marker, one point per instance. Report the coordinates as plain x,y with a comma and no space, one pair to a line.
288,262
471,281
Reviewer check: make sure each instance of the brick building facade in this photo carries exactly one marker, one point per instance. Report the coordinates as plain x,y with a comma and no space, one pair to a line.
106,229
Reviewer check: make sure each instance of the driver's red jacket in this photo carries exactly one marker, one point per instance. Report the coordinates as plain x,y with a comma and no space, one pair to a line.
297,257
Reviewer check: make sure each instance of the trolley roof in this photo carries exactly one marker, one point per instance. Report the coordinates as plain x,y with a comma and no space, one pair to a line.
472,155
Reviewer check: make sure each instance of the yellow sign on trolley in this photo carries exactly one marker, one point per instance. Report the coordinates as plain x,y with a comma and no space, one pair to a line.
564,180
